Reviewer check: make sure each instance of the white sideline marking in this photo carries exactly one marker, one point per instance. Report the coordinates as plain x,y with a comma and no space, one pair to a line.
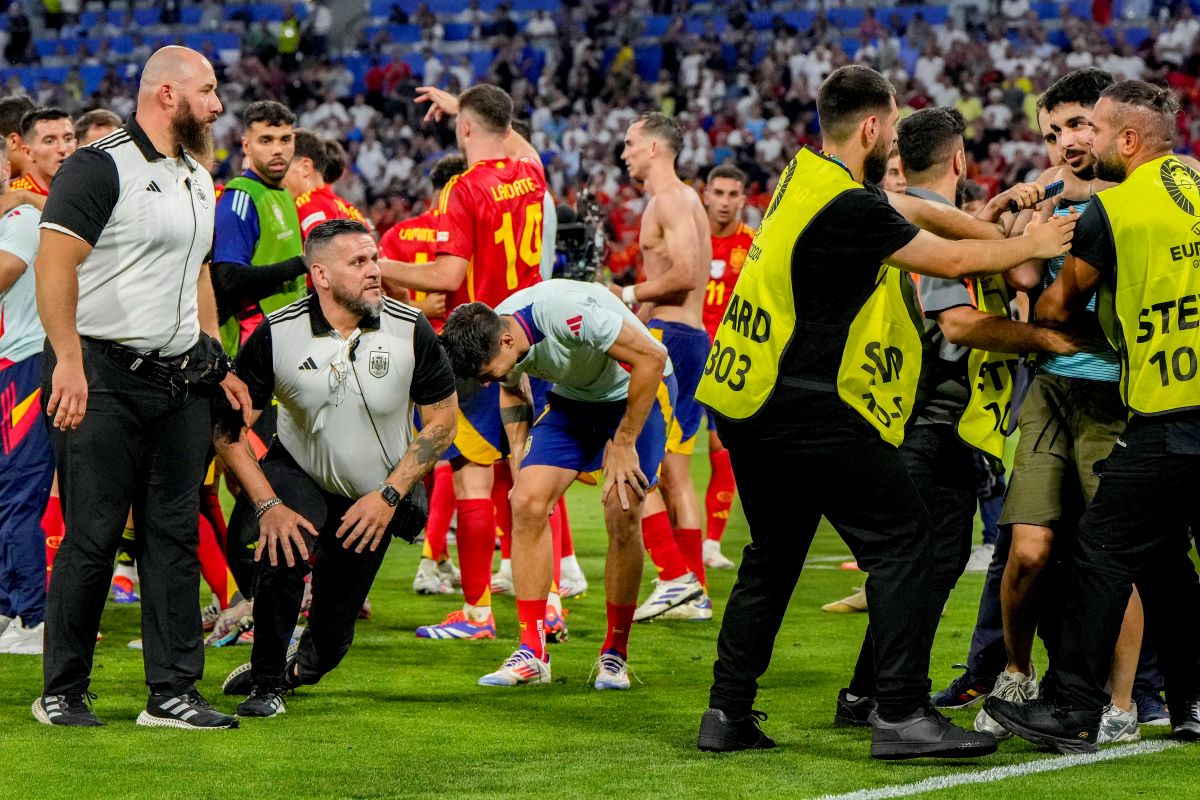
1000,773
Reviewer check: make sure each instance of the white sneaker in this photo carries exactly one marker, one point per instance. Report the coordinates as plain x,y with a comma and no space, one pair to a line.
428,580
502,581
698,610
4,623
611,672
1118,726
981,558
572,581
522,668
21,641
450,574
232,623
668,595
1015,687
714,558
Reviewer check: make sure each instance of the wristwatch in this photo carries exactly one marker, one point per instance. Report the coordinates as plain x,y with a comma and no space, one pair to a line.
390,495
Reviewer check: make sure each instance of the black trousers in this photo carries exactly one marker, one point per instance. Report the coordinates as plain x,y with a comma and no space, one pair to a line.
943,469
806,455
139,445
242,530
341,579
1135,531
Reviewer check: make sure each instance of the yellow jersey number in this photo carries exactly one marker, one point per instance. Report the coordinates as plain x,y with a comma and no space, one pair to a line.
530,249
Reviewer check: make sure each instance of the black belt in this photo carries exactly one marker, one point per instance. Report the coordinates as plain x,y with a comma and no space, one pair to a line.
166,372
806,383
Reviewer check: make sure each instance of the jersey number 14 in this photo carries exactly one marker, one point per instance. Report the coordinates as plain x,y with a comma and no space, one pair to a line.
530,250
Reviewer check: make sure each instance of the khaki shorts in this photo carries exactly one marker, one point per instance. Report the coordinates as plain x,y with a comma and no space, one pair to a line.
1066,425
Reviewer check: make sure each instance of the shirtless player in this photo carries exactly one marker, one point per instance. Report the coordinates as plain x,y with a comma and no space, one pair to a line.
676,250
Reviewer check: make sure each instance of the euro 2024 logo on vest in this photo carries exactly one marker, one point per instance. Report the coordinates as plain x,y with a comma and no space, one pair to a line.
1183,185
378,362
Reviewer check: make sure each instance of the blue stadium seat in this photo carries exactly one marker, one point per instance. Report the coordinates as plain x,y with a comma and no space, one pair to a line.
535,5
224,40
649,62
481,62
656,24
458,31
846,17
1048,10
121,45
92,77
1135,36
695,25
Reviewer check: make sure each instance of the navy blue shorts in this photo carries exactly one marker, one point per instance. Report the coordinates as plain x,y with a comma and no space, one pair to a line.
572,434
688,348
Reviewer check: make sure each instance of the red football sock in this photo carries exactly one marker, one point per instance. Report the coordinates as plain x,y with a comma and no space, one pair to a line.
213,566
441,511
502,484
210,507
568,546
718,500
620,620
476,543
53,529
556,536
690,542
660,544
531,618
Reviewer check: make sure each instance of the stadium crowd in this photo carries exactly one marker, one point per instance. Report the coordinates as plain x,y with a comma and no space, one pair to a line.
452,283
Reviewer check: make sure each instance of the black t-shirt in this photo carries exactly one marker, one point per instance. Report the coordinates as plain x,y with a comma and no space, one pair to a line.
1093,239
835,263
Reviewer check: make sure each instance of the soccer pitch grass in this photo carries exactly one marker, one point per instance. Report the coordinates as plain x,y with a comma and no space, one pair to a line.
402,717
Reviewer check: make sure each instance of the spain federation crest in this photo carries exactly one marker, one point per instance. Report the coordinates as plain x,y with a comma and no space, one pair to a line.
378,363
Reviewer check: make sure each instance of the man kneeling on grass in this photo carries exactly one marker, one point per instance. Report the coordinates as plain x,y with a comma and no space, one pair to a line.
346,366
609,409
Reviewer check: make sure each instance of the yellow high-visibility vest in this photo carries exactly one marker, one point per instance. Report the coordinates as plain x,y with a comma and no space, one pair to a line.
990,378
1153,302
881,362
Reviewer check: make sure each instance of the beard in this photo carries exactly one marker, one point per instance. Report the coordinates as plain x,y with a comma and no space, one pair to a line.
355,304
1109,167
875,163
191,132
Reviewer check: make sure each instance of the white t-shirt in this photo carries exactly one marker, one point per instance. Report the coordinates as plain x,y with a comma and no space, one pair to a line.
21,335
572,325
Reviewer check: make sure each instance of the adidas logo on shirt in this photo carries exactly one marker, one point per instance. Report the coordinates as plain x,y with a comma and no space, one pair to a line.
308,364
153,187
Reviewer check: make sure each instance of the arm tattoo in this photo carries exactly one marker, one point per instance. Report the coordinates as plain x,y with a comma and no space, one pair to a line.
512,415
422,454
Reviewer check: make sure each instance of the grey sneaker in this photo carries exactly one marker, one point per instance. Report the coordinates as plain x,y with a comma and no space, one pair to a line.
262,703
1118,726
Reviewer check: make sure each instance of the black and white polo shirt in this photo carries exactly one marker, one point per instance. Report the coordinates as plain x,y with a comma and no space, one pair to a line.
149,220
345,404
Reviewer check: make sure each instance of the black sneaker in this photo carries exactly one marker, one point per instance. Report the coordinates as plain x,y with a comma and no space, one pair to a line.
262,702
189,711
853,713
70,709
241,680
964,691
1150,707
926,733
1042,722
1185,721
720,734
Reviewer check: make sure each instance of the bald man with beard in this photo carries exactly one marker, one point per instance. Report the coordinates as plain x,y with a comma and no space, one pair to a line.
130,370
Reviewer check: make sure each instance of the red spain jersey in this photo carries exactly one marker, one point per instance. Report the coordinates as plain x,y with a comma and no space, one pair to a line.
321,205
29,184
413,241
728,255
491,215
